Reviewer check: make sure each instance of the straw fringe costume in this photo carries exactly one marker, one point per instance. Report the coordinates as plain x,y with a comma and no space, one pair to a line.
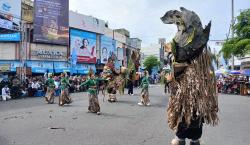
193,99
50,91
111,89
194,94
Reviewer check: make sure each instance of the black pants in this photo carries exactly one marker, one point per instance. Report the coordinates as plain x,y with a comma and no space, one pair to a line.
193,131
166,88
130,89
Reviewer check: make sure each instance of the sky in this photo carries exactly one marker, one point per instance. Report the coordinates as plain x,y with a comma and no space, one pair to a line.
142,17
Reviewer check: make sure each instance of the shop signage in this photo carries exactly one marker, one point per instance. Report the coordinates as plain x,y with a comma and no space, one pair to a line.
48,54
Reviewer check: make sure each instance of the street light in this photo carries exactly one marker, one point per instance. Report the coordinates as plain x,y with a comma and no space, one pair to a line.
232,31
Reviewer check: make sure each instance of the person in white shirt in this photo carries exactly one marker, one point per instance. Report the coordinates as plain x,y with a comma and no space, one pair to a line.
35,85
6,93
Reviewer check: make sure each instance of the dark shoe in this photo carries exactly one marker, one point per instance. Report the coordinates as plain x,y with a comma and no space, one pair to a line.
195,142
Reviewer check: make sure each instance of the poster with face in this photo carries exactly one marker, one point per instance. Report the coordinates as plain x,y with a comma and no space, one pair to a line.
107,48
83,46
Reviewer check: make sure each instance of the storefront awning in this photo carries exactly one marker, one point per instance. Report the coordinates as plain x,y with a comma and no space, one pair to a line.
61,67
9,66
41,66
84,68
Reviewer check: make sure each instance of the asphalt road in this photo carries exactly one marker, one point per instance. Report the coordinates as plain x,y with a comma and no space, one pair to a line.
29,122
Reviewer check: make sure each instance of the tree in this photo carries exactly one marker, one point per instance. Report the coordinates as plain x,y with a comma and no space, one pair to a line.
239,45
150,62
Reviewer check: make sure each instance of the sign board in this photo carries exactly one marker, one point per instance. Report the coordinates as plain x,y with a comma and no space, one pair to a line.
51,21
83,45
87,23
48,52
11,10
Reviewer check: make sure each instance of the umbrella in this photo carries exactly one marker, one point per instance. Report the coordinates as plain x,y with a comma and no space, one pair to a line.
235,72
221,72
246,72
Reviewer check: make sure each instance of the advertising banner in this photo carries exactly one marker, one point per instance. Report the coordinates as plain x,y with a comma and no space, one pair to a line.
120,55
51,21
6,24
11,10
107,48
83,45
87,23
10,17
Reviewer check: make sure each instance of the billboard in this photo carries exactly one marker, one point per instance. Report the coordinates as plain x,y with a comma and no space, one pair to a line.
51,21
87,23
108,48
83,46
11,10
10,17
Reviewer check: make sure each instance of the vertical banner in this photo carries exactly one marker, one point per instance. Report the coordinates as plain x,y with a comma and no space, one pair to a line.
83,46
51,21
108,47
120,55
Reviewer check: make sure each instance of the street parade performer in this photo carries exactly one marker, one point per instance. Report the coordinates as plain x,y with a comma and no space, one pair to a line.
144,93
64,98
122,80
193,99
110,73
50,83
94,106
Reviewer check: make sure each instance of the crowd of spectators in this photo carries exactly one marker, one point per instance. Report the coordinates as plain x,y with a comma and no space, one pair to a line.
233,84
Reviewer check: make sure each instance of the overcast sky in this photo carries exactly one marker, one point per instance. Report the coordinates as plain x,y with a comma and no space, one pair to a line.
142,17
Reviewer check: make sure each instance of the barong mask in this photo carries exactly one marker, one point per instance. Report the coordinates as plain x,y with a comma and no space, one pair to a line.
191,38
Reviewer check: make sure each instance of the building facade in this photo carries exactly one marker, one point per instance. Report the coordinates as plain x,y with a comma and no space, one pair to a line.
77,43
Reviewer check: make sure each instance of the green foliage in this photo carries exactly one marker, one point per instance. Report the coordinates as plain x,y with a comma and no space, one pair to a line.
150,62
240,45
242,27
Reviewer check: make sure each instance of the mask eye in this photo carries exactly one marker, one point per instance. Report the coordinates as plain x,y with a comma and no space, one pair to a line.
177,16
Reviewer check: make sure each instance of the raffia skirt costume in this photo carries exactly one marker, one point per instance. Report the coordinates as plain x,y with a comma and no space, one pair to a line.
193,99
111,89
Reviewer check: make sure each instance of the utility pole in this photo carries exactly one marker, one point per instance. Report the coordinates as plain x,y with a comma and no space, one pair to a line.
23,49
232,31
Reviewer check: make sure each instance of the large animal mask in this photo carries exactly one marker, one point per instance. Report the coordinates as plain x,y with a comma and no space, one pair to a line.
190,38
